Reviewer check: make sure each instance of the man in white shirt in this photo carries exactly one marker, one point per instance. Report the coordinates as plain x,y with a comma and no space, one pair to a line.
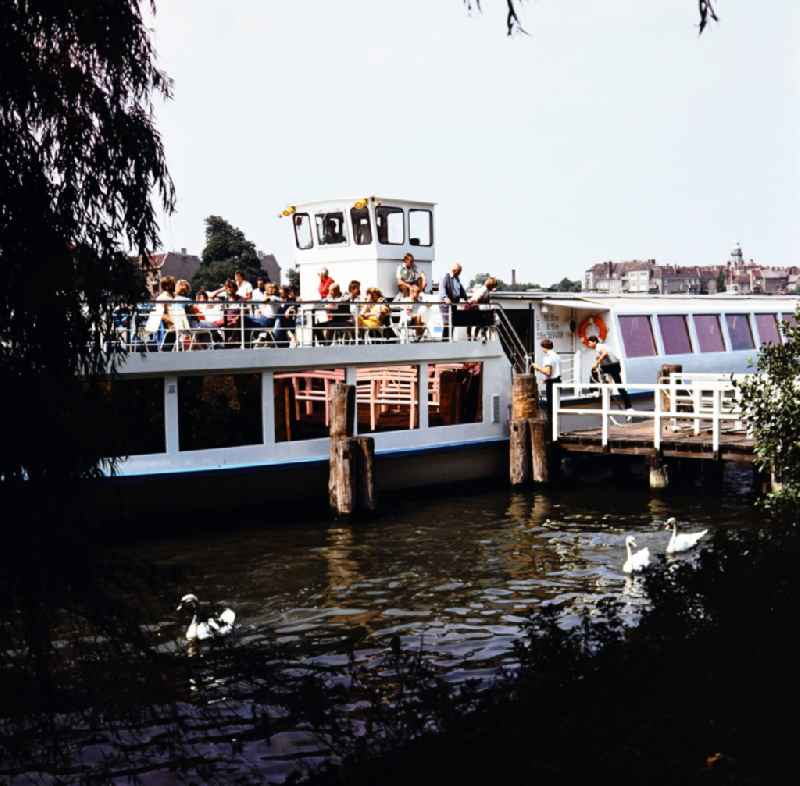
607,362
244,289
551,371
259,292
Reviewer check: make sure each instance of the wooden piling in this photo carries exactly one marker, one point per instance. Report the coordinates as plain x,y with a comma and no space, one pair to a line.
540,449
519,452
364,449
659,478
524,407
351,479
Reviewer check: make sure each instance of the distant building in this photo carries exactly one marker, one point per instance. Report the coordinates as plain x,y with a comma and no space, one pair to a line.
647,276
270,266
171,263
182,265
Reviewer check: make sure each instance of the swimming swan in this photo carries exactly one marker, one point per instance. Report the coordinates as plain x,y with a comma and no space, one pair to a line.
213,626
683,541
636,559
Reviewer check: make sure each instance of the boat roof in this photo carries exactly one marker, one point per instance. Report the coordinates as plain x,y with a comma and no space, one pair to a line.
376,199
680,303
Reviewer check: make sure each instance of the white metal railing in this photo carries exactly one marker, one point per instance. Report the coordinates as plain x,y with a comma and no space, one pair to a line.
712,402
193,325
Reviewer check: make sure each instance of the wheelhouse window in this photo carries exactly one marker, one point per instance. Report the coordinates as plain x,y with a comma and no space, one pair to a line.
362,227
303,236
330,228
420,227
391,225
739,331
455,393
637,334
768,329
675,334
709,335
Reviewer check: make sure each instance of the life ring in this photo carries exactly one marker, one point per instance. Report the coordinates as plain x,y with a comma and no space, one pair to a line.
600,329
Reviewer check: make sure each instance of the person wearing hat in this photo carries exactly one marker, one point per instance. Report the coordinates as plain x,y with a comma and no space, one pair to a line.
325,282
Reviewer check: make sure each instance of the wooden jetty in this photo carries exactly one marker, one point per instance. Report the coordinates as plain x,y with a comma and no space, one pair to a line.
685,416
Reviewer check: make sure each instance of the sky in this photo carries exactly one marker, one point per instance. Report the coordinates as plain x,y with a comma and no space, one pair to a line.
611,132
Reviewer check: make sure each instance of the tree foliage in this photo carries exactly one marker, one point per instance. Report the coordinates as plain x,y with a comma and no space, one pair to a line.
503,286
226,251
82,170
706,12
772,403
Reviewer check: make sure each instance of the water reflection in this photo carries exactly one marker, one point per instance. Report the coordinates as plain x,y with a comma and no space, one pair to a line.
455,576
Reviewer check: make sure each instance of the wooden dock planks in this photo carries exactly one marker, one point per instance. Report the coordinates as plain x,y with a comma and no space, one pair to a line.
636,439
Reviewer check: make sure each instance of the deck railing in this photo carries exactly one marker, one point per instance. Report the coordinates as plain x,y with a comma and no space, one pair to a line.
192,325
697,405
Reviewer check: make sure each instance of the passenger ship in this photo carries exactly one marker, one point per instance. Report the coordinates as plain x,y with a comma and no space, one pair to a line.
250,423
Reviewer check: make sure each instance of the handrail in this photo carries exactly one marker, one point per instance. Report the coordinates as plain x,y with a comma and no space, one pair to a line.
248,324
725,405
511,342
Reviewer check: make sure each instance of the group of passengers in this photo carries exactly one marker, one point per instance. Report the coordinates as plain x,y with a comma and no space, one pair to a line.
268,309
374,312
209,318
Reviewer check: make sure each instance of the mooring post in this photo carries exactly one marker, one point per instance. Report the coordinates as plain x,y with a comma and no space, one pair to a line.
351,482
659,478
524,407
541,449
668,403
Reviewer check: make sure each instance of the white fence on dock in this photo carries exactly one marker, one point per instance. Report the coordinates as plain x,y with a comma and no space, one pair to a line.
690,402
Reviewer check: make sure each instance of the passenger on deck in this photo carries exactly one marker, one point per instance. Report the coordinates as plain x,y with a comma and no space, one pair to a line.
412,317
287,314
244,289
551,370
160,321
374,313
481,296
451,291
607,362
325,282
260,290
408,275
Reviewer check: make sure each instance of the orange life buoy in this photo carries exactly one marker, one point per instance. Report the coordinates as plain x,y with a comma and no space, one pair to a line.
600,329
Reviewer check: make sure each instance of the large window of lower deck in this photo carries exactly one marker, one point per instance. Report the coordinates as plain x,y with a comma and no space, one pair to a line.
387,398
134,418
637,333
739,331
767,325
709,334
455,393
302,402
675,334
219,411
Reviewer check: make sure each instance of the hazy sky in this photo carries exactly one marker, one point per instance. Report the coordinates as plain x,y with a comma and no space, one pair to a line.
611,132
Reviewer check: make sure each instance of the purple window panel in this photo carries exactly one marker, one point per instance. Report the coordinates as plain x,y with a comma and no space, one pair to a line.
637,333
708,333
675,333
768,328
739,331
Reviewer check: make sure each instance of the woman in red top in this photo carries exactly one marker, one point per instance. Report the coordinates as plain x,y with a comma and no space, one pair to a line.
325,282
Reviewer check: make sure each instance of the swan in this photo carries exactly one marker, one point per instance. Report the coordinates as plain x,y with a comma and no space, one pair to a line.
683,541
213,626
636,559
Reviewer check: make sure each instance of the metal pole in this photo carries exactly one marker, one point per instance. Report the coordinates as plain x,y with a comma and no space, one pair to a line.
605,398
657,418
556,409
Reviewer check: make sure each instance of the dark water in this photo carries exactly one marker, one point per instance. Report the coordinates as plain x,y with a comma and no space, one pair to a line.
452,572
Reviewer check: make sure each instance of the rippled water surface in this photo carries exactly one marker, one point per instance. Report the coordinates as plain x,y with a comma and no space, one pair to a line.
455,573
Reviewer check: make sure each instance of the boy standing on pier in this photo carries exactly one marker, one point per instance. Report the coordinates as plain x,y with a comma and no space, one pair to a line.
551,369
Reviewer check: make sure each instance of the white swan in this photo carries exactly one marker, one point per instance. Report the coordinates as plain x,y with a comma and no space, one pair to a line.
213,626
683,541
636,559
